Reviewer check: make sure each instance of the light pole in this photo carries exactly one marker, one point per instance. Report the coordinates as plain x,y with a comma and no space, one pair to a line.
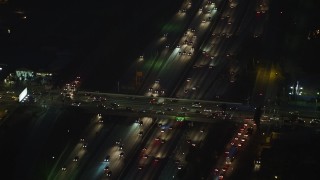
118,86
316,105
315,110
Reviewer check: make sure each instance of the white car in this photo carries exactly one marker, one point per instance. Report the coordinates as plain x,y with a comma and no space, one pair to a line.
76,104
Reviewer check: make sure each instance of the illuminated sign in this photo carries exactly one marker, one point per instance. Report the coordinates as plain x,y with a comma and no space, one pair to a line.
179,118
23,94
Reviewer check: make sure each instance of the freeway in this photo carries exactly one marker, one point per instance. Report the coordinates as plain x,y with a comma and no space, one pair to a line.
201,62
168,122
218,66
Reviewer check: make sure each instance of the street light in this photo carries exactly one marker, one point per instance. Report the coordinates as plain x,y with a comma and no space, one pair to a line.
141,58
315,110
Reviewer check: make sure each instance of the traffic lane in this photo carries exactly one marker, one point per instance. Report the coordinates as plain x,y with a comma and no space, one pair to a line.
34,140
196,85
128,134
221,45
165,149
158,58
66,164
199,32
153,73
172,66
80,152
211,47
193,135
185,87
92,144
238,15
223,82
129,142
121,102
273,84
132,99
200,83
72,163
203,157
248,21
116,163
178,155
215,72
217,30
156,79
242,16
228,160
151,146
132,171
164,135
169,102
165,38
65,139
153,110
169,170
157,156
260,23
243,165
197,133
190,115
258,94
170,36
170,51
212,92
165,154
170,76
94,162
218,72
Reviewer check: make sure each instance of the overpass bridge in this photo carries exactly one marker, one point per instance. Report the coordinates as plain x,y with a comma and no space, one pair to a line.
128,96
238,107
172,115
140,103
140,106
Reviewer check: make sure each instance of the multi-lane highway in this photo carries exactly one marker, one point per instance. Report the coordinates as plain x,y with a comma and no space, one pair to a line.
172,122
202,61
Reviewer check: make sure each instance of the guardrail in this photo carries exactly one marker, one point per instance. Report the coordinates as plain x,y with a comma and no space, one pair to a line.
166,98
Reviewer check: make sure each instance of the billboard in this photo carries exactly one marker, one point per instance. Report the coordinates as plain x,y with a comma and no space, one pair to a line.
23,94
